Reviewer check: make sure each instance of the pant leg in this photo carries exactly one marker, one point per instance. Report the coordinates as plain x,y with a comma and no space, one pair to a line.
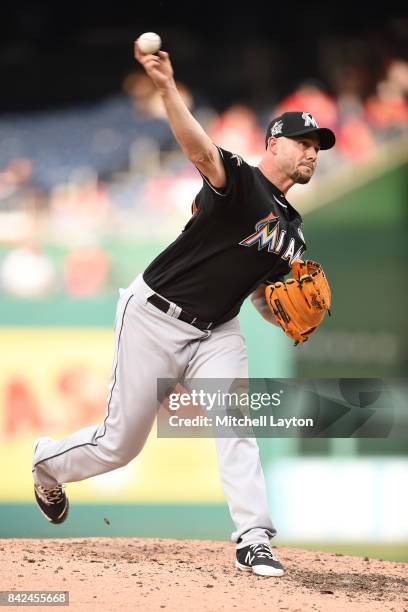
148,345
223,356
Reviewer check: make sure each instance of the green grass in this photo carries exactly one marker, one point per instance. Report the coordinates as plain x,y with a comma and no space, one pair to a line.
181,521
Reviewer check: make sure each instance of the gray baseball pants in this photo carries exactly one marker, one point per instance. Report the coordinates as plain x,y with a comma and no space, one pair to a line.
151,344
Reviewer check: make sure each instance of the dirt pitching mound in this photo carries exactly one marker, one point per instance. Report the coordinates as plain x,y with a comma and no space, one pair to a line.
158,574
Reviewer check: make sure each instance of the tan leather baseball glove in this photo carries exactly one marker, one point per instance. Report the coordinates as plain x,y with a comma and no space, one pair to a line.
300,303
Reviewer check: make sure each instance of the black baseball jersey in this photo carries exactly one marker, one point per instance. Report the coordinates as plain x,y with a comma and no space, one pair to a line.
239,237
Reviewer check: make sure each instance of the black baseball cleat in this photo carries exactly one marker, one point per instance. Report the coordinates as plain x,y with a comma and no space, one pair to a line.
259,559
52,502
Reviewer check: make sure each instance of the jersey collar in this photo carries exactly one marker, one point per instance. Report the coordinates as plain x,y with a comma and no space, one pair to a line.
279,201
278,197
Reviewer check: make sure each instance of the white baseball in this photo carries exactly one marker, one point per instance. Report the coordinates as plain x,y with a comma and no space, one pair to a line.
149,42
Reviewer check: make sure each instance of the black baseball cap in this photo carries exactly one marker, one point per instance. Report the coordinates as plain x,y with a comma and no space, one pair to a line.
298,123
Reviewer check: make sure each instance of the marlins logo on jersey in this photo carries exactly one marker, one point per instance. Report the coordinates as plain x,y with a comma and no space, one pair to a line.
268,235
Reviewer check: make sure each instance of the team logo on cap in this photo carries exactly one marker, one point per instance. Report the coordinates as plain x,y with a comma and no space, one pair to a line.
277,128
309,120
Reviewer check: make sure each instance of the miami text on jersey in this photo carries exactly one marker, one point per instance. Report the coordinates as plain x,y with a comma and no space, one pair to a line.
268,235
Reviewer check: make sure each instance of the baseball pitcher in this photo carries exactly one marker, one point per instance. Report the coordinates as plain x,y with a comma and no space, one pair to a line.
179,318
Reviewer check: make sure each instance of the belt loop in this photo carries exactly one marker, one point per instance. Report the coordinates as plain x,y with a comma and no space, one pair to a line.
171,310
177,311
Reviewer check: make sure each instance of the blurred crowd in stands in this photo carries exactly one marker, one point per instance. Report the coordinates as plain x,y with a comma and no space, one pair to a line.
71,178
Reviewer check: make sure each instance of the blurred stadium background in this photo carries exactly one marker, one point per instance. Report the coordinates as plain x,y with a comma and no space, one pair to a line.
92,186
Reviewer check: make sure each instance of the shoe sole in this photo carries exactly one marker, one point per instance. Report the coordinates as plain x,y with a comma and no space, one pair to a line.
58,521
267,571
64,514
